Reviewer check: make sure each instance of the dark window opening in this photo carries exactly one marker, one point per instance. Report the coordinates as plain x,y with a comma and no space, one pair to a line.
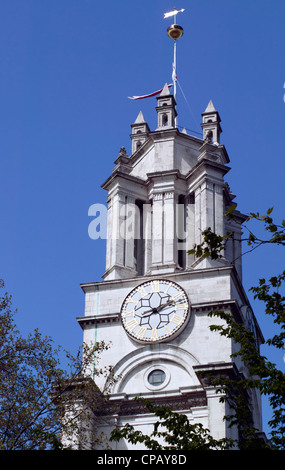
139,242
164,120
181,229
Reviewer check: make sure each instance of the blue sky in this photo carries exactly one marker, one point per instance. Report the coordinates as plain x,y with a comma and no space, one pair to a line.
66,70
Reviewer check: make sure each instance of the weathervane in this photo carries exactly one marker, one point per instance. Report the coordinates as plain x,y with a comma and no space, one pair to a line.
174,32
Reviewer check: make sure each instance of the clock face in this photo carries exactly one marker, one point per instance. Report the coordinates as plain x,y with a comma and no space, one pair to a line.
155,311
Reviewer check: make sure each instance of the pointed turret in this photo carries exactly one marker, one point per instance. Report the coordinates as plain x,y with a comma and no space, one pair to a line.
211,124
140,119
140,131
210,108
166,112
165,90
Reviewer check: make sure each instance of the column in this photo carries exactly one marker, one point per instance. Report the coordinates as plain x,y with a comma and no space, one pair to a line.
147,234
169,236
219,211
207,206
197,210
190,228
117,242
157,229
120,261
129,229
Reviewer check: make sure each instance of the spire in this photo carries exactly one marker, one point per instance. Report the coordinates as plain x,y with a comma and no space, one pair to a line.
139,119
210,108
166,112
211,124
165,90
140,131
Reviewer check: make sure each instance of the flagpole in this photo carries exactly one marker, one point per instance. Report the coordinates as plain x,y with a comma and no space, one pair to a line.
175,77
174,81
174,32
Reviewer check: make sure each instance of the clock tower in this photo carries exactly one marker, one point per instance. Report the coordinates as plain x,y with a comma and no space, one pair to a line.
154,299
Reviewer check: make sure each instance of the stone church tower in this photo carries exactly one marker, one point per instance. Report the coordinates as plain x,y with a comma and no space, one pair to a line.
154,300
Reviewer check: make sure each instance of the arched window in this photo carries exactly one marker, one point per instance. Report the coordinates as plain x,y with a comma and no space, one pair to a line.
164,120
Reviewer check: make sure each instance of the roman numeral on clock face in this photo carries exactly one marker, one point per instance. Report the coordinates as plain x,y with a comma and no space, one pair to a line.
132,324
176,319
154,286
142,291
130,300
176,296
168,329
181,306
131,313
142,331
154,334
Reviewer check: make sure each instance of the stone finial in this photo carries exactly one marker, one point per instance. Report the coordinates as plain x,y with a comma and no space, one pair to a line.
139,119
165,90
210,108
123,152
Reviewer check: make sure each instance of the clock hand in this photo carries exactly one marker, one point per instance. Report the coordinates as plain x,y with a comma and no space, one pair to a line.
164,305
147,311
159,308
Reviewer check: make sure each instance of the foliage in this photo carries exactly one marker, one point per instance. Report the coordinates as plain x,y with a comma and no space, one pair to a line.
36,392
262,374
277,230
174,430
177,433
237,391
211,246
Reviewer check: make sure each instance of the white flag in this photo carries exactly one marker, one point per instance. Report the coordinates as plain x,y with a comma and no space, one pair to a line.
172,13
174,76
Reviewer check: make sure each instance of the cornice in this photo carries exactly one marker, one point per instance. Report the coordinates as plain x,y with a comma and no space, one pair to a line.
178,402
119,174
197,309
138,279
200,166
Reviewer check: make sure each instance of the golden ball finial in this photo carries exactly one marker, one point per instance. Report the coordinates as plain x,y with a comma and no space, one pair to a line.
175,31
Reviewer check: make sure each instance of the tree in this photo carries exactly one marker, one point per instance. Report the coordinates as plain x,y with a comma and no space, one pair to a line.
262,373
175,430
178,433
40,401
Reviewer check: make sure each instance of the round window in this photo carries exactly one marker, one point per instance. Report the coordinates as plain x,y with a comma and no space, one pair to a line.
156,377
